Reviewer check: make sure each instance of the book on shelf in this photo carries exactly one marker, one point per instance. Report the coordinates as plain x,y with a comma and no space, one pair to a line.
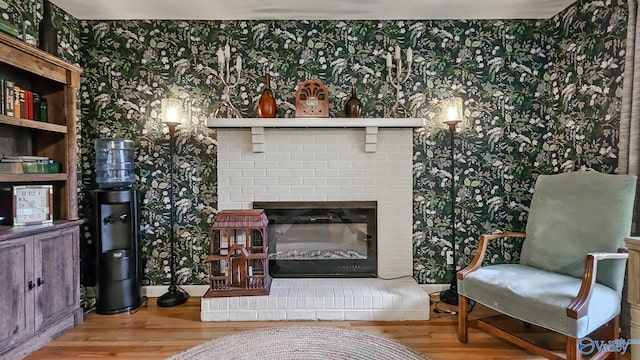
9,100
11,168
18,101
28,104
14,158
28,167
28,164
37,167
37,115
3,95
21,103
44,110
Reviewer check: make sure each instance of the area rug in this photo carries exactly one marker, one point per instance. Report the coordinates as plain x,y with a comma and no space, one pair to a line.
300,342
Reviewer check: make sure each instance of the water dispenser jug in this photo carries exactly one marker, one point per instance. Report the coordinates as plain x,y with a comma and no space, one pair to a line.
115,166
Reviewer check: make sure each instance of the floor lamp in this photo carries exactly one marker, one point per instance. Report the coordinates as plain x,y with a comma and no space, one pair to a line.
452,115
171,116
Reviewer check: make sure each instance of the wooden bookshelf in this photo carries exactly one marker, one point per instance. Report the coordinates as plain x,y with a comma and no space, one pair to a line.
40,264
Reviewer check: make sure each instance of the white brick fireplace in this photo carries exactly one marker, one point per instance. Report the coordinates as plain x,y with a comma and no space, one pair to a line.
326,160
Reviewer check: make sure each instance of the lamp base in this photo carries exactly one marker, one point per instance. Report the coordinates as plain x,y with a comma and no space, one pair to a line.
449,296
173,297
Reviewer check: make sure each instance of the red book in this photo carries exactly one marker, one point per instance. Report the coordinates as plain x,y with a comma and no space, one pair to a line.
30,105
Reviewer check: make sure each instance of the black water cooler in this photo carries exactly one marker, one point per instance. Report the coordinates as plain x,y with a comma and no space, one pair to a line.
118,278
118,265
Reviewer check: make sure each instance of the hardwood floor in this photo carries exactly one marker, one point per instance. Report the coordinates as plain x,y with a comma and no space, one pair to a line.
156,333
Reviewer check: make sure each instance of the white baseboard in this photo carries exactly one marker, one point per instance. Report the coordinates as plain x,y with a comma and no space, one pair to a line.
434,288
199,290
157,290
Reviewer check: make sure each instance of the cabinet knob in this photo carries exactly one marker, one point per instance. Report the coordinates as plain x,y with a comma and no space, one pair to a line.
124,217
31,285
40,281
108,220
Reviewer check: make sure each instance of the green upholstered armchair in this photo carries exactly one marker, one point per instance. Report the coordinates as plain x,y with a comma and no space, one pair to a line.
571,273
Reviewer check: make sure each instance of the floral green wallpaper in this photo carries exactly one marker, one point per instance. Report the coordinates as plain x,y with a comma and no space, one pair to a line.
540,97
25,16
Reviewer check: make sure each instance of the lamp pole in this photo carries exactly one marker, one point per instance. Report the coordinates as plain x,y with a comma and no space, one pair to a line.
450,296
173,296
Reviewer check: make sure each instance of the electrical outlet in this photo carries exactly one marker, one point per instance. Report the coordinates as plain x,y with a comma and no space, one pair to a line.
449,257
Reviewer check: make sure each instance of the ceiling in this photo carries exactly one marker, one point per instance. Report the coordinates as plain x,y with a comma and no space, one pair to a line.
312,10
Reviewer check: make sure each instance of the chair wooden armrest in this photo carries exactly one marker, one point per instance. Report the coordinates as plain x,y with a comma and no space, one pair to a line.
580,305
476,263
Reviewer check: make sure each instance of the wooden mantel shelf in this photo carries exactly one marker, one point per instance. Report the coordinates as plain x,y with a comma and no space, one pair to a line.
370,125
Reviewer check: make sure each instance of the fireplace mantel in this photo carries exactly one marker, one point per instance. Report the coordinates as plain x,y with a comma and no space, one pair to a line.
314,163
370,125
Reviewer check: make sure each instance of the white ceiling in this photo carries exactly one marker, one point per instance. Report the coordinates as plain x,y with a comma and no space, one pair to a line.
311,10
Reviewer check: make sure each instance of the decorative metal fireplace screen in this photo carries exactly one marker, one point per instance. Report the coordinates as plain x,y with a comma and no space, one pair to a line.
321,239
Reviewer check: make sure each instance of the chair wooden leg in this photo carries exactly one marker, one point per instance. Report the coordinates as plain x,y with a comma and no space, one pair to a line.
573,352
463,302
615,335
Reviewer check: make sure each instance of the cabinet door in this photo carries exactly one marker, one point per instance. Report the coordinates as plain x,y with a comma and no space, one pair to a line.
16,299
57,275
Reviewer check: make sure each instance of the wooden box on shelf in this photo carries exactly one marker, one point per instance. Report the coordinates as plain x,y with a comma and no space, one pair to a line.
238,264
312,100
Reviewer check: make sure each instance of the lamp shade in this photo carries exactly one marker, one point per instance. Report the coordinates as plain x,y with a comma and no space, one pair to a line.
172,111
451,110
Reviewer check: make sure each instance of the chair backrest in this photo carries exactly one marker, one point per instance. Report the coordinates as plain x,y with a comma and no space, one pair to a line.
574,213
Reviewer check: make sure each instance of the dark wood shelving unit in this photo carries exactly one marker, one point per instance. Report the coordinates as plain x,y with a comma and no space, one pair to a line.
39,264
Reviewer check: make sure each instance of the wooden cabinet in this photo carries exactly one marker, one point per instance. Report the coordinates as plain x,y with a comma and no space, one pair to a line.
39,264
56,277
40,273
16,306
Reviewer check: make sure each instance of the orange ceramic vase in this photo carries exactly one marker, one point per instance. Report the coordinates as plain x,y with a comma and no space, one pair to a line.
267,103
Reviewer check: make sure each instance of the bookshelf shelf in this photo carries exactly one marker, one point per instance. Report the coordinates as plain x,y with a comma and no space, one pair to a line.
32,124
28,178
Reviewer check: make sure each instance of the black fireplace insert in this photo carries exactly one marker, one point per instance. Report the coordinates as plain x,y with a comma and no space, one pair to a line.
321,238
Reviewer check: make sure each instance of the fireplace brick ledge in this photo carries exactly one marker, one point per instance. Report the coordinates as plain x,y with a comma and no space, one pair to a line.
370,125
335,299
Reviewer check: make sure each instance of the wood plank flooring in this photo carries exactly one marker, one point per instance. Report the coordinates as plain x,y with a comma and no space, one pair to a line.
156,333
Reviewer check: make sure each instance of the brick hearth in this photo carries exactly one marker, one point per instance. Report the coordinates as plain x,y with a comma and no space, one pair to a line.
324,299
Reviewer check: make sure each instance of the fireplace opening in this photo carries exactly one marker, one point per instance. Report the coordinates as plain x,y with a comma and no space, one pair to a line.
321,238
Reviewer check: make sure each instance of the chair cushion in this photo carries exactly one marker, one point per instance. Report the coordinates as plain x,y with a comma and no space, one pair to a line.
575,213
539,297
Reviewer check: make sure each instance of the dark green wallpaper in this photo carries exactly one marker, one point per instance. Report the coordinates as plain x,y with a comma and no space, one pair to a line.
540,97
25,15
